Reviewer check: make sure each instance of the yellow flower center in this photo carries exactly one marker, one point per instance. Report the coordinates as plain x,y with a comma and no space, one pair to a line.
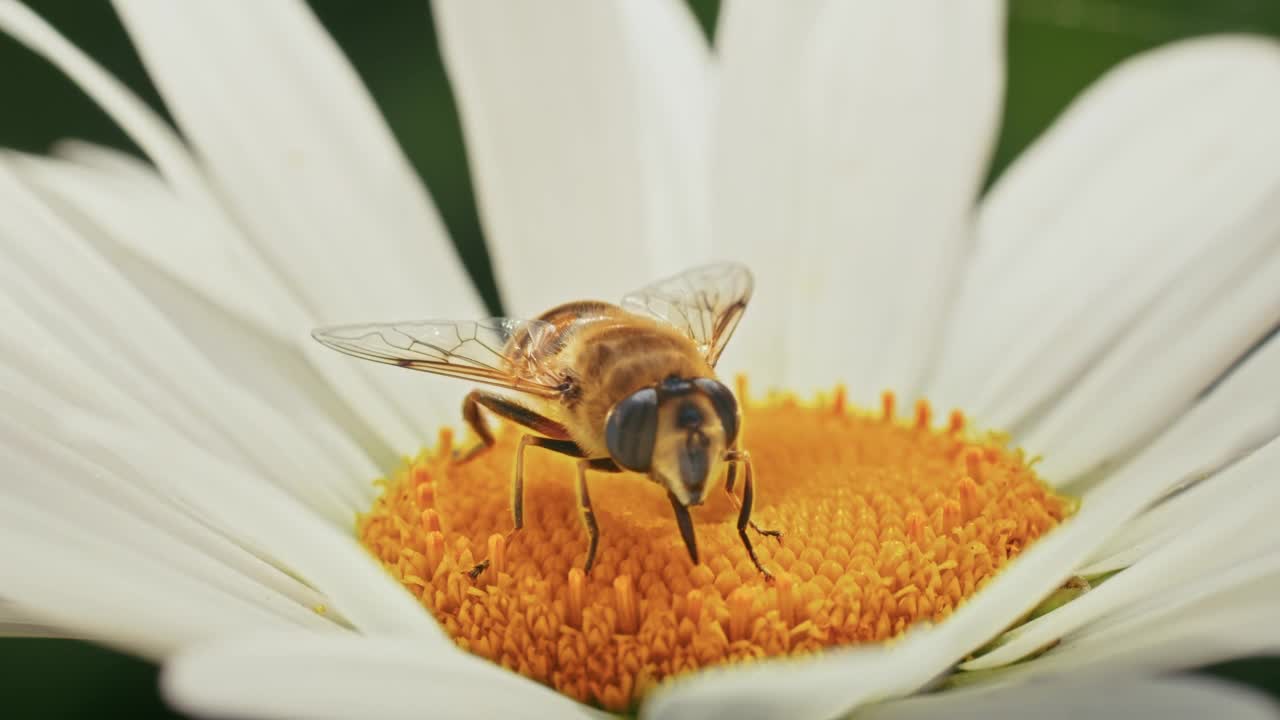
887,521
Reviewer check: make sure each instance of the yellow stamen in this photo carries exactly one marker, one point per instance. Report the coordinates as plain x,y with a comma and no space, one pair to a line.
887,522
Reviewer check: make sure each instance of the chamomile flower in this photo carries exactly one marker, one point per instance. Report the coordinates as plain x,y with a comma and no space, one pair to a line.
189,477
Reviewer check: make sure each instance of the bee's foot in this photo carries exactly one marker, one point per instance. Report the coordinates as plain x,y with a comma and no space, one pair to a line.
775,534
478,570
462,457
768,576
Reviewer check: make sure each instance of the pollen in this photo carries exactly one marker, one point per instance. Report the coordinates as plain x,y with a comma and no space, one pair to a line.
887,521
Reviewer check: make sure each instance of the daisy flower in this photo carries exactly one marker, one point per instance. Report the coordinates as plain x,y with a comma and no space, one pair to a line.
190,477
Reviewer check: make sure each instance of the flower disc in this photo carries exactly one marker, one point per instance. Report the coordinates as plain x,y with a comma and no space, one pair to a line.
886,523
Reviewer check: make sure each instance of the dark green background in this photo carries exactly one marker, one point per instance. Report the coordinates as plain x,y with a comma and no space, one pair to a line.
1056,47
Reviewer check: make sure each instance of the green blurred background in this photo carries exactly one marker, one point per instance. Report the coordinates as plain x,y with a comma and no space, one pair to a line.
1056,48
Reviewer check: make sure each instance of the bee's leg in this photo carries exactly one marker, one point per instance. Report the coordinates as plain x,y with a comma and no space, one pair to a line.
564,447
588,516
506,408
584,503
741,456
744,512
685,523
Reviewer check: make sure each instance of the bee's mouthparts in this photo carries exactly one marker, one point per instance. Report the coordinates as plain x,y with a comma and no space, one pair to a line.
695,465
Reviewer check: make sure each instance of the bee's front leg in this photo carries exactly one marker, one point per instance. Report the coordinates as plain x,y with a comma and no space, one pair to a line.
744,510
584,504
588,517
733,457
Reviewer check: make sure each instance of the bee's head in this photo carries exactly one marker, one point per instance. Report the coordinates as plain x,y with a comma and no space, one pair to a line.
676,432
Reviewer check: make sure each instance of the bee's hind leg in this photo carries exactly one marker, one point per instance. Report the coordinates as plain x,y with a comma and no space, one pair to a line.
564,447
505,408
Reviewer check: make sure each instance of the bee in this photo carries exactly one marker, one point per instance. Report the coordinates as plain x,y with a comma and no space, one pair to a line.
621,388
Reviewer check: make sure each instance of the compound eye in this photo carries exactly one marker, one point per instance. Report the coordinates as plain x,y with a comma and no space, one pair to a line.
631,429
724,402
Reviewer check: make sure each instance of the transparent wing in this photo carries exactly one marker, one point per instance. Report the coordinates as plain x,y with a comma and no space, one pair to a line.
499,351
706,302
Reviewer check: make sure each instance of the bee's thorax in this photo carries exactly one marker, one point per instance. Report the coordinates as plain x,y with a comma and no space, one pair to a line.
610,353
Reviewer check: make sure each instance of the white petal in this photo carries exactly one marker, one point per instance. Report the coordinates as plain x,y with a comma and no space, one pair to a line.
803,689
51,270
586,132
1208,545
165,462
141,123
262,517
260,520
675,72
1226,616
1251,424
24,629
290,676
291,135
294,143
1227,619
1169,155
116,511
852,139
50,473
114,335
200,246
68,579
1205,322
40,370
1093,696
15,623
376,404
124,208
166,149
